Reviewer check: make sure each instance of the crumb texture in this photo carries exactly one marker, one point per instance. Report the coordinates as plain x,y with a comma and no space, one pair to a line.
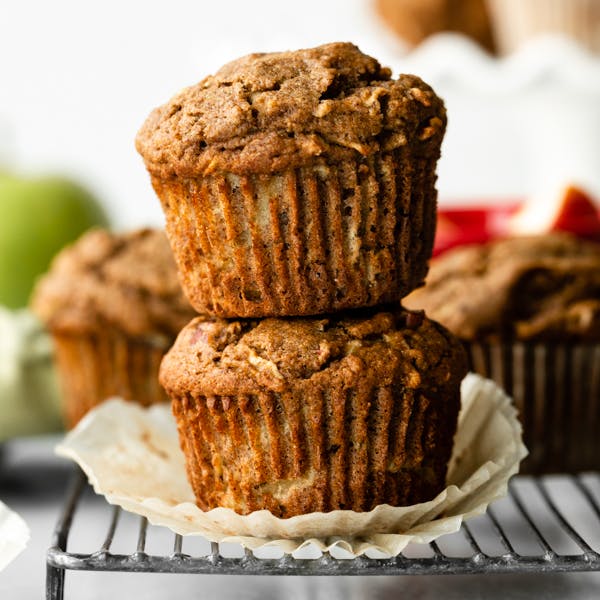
264,113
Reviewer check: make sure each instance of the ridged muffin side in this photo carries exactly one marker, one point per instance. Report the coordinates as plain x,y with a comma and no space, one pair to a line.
304,241
303,415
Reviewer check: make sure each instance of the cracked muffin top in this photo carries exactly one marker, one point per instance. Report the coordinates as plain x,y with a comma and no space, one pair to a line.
126,280
213,356
543,287
264,113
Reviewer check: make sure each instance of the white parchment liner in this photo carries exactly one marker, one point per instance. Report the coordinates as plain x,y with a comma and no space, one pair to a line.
131,455
14,535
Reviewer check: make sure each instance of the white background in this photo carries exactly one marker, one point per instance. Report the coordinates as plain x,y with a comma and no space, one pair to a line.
78,79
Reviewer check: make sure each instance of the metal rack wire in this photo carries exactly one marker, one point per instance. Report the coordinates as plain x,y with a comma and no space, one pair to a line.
537,521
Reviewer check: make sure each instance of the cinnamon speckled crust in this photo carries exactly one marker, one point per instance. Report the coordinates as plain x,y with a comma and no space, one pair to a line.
127,281
538,288
265,113
300,415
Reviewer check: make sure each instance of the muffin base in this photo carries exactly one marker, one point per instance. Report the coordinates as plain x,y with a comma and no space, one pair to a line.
317,449
305,241
556,389
96,366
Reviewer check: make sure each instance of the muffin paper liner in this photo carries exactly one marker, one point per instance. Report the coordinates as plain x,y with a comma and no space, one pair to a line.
305,241
131,455
14,535
95,367
556,389
329,447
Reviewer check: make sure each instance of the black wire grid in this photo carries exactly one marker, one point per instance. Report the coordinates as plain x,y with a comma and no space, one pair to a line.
537,521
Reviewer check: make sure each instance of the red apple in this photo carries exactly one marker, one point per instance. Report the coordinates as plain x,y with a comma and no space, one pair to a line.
571,210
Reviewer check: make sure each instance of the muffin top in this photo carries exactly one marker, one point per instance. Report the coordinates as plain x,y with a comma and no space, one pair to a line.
544,287
212,356
266,112
126,280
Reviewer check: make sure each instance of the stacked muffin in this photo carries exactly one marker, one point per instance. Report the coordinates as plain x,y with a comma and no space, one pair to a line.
299,194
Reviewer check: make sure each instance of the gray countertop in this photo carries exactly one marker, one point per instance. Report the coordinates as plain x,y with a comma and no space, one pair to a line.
33,482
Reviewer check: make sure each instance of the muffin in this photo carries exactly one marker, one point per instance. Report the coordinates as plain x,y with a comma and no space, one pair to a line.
528,310
516,21
346,411
415,20
297,183
113,306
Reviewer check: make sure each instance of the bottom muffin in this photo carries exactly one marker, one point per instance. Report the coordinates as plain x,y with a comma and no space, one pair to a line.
315,414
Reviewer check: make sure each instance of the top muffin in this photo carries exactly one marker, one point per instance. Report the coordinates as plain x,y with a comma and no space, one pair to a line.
530,288
297,183
268,112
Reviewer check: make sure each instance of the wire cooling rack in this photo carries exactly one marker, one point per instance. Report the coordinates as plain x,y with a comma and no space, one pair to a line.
546,524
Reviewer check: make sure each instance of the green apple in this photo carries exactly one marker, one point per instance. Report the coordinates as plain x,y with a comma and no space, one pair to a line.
38,216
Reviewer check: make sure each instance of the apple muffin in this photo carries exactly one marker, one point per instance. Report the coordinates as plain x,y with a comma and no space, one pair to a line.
346,411
113,305
297,183
528,311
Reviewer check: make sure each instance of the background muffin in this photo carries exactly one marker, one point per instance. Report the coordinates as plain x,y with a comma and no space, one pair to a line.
415,20
517,21
528,310
297,183
113,305
301,415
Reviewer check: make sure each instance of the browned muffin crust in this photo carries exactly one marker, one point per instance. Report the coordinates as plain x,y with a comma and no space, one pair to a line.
218,356
126,280
265,113
302,415
529,288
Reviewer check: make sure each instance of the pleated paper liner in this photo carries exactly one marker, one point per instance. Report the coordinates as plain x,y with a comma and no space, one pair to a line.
332,447
305,241
96,366
131,455
556,390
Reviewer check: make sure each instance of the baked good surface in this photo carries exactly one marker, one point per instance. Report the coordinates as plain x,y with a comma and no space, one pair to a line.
265,113
127,280
301,415
543,287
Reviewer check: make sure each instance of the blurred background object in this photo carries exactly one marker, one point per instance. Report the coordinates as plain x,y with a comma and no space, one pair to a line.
38,216
14,535
415,20
29,393
514,22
